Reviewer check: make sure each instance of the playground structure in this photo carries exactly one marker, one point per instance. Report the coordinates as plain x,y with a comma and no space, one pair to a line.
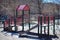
17,19
24,18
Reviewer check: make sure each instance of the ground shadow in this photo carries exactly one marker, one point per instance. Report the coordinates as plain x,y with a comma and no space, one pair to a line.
39,37
34,35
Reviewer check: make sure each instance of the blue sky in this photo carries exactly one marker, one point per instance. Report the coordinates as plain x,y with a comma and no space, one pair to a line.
52,1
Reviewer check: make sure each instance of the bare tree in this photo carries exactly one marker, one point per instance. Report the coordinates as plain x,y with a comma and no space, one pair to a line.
39,5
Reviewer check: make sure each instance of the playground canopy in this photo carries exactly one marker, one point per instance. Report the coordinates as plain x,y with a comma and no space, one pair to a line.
23,7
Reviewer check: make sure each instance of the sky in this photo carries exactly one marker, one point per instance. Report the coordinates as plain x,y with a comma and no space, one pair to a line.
52,1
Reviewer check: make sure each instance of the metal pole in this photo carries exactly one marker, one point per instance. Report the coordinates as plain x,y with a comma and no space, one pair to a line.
15,24
44,23
54,25
41,24
4,25
29,19
9,22
15,16
22,20
44,29
58,14
44,19
48,25
16,13
38,24
10,28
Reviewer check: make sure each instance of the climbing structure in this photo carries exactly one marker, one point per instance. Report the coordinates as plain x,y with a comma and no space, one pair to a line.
23,17
20,18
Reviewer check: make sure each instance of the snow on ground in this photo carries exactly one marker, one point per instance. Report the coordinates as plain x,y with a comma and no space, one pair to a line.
9,36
